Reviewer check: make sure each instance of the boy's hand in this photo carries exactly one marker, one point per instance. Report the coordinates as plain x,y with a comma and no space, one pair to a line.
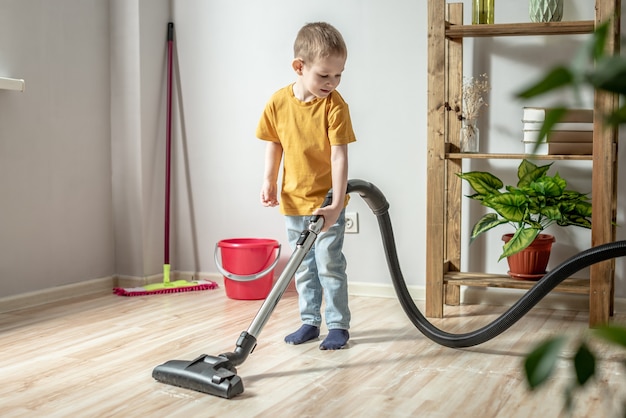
330,215
269,193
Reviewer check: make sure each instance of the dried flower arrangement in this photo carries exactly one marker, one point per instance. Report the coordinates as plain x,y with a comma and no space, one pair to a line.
468,105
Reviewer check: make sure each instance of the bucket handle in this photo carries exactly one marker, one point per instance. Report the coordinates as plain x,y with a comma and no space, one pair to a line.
243,278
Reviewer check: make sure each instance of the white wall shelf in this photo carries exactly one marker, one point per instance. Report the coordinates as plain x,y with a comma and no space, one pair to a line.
12,84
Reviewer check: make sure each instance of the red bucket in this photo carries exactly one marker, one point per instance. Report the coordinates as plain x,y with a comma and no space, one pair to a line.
248,266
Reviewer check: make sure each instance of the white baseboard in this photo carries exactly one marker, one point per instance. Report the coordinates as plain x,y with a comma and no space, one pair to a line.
505,297
57,293
487,296
383,290
91,287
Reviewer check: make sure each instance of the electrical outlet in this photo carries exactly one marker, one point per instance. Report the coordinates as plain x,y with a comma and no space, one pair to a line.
352,223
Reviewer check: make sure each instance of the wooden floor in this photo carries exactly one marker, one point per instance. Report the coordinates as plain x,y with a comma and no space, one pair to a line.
94,357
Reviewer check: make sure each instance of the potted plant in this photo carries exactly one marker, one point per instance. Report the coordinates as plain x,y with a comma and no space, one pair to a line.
535,203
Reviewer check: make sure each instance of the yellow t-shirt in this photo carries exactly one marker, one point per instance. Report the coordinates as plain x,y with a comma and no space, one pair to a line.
306,132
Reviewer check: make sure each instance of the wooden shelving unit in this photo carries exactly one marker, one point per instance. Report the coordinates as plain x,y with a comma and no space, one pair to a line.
443,259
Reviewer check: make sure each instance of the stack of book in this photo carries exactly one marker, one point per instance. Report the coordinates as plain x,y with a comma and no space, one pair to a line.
573,135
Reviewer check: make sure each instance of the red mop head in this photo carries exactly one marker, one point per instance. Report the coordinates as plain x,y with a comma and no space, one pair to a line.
177,286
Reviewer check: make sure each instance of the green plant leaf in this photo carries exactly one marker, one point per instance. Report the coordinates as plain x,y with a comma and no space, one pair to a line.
549,186
618,117
609,74
615,334
558,77
521,239
585,364
511,206
528,172
596,46
484,224
524,168
574,220
482,182
592,49
539,364
552,213
476,196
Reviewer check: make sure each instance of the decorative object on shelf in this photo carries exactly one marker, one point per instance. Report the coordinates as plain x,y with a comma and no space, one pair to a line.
531,262
469,136
572,135
467,107
482,12
535,203
545,10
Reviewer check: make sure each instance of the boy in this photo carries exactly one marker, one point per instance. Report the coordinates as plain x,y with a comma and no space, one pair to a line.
308,123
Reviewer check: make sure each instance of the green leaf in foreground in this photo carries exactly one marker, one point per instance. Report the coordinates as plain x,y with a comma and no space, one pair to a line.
612,333
585,364
556,78
539,364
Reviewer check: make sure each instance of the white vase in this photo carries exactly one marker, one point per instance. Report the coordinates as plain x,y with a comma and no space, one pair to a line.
469,136
545,10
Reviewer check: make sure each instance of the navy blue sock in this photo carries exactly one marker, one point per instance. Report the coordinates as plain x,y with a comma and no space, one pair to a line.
335,340
304,334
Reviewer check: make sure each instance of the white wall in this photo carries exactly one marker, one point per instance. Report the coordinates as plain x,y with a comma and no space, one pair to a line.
233,55
55,155
72,185
138,125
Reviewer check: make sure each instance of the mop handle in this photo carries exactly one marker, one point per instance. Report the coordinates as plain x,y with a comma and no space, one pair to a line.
168,145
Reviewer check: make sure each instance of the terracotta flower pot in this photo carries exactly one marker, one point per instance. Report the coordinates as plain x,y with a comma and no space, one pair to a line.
531,262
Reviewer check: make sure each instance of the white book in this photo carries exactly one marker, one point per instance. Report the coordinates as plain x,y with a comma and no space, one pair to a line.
538,114
561,126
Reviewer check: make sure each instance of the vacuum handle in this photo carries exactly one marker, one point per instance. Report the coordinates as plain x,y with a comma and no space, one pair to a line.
243,278
327,201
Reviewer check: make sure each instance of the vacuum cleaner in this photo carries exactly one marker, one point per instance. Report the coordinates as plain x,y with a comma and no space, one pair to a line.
217,375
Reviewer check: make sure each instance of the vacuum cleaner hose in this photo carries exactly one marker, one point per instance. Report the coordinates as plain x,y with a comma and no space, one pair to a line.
379,206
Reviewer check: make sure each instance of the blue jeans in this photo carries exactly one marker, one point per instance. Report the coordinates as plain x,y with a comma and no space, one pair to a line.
322,273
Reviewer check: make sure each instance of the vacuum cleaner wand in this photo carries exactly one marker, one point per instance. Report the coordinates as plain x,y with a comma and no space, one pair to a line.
217,375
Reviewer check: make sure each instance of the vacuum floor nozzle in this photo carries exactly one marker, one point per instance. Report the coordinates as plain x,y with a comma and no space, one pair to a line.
214,375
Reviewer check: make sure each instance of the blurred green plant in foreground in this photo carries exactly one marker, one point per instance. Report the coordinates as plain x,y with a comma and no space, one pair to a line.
591,67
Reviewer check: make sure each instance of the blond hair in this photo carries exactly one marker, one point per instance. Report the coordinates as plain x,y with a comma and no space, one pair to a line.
317,41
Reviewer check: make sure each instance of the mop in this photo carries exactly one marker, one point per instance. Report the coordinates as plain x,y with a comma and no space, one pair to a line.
167,286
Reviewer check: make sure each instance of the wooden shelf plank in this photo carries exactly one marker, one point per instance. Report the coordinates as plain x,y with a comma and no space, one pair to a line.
572,285
519,29
464,155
